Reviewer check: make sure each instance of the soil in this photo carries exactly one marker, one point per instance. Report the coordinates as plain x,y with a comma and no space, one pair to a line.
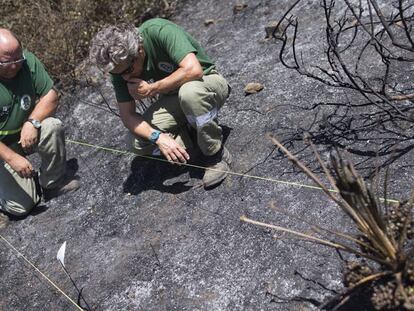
143,235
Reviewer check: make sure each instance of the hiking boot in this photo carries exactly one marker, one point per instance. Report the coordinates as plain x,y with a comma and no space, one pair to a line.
69,182
218,166
4,220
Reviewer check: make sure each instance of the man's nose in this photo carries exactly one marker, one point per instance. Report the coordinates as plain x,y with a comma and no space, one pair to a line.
14,67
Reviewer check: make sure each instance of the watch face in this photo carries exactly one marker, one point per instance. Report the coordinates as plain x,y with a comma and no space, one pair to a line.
154,136
35,123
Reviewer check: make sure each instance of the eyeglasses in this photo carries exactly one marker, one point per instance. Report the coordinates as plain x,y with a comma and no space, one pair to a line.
13,62
129,69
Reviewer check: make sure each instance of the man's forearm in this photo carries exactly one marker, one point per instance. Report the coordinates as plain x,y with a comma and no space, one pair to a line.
46,106
174,81
138,126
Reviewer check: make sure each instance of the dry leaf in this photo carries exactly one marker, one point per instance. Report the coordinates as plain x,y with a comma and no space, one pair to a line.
400,24
253,87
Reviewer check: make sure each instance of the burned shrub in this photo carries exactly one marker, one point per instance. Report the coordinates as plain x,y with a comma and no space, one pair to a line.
58,31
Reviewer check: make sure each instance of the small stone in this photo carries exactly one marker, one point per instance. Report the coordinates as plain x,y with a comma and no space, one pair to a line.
253,87
400,24
131,295
270,28
273,30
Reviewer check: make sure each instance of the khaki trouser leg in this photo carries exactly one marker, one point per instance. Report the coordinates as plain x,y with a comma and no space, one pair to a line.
200,102
52,151
166,116
19,195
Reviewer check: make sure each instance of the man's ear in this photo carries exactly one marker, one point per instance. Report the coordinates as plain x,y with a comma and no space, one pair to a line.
141,51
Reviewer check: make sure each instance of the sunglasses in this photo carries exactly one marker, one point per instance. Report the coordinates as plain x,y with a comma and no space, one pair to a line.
13,62
129,69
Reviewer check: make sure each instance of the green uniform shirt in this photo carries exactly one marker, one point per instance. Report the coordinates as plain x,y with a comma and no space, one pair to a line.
165,45
18,97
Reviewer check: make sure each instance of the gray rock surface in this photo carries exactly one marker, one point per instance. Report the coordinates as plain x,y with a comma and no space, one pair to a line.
142,234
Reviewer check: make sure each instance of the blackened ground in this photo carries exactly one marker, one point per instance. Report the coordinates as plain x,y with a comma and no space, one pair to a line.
142,234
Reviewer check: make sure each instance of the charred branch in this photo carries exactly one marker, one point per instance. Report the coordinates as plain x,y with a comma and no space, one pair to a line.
368,53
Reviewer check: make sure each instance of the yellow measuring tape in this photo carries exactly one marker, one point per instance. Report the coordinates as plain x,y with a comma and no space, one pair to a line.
42,274
206,168
162,160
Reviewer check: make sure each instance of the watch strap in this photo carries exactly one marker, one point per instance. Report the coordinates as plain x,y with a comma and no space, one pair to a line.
35,123
154,136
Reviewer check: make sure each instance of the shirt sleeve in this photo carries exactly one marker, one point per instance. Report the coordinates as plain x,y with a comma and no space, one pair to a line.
41,79
121,89
175,42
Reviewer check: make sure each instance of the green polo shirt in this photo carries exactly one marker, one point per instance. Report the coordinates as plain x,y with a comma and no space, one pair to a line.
165,44
18,97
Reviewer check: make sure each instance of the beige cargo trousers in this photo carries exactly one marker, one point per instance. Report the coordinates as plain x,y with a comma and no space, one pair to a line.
196,105
19,195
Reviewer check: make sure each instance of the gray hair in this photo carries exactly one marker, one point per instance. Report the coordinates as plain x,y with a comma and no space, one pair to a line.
114,44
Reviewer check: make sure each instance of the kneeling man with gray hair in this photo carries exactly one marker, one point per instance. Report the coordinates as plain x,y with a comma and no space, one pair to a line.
160,59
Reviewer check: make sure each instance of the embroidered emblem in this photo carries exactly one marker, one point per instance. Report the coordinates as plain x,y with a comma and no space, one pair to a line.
166,67
25,102
5,111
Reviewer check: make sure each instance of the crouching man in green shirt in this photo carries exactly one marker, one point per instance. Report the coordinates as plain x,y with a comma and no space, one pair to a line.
159,59
27,102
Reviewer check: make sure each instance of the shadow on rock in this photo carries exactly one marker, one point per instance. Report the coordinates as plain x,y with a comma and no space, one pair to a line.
161,176
165,177
358,301
226,132
35,211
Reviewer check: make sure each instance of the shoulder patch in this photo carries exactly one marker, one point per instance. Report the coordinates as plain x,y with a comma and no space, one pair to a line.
166,67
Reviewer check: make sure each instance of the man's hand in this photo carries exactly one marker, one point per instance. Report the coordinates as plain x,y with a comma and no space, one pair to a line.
29,137
21,165
171,150
140,89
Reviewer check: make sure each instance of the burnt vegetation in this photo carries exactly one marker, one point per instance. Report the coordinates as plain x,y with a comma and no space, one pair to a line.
59,31
380,273
368,56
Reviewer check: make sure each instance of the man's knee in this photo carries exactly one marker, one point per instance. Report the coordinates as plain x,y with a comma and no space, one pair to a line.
17,208
211,91
51,126
190,92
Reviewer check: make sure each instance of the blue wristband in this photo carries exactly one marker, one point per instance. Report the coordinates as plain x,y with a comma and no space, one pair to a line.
154,136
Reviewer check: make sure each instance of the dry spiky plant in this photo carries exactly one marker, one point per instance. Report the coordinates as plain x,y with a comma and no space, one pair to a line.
383,234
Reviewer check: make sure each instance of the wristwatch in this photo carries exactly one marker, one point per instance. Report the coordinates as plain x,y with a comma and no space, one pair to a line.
154,136
35,123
